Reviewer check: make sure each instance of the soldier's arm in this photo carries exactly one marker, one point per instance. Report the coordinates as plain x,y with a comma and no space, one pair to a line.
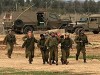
24,38
47,41
86,40
15,40
36,41
5,40
38,44
71,43
24,44
76,39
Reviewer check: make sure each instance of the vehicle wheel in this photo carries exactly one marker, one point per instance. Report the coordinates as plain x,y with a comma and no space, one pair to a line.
69,31
27,28
96,32
18,23
77,30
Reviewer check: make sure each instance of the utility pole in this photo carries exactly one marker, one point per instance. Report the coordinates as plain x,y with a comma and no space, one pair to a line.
46,12
88,6
75,11
59,7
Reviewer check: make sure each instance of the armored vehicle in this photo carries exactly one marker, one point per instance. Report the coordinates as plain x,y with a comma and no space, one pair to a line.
91,23
43,21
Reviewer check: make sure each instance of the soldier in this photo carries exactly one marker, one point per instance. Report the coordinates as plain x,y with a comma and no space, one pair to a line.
29,44
66,44
52,44
10,40
24,39
53,59
43,48
81,40
61,41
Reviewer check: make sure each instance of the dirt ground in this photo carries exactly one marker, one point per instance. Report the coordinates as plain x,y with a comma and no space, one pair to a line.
19,61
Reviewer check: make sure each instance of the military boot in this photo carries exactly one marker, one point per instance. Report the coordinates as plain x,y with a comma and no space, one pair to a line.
30,60
85,61
47,62
53,62
62,61
67,62
50,62
56,62
43,61
26,56
9,56
76,57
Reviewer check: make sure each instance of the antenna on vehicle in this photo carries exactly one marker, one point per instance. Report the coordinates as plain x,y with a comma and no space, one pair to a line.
24,11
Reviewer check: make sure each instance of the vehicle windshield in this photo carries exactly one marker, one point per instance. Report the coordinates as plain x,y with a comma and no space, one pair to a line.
53,16
83,19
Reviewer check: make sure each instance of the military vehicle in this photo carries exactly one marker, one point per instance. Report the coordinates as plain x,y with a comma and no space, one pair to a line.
43,21
91,23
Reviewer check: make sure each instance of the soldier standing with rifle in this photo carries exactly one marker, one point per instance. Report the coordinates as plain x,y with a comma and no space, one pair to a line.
81,40
29,43
43,48
10,40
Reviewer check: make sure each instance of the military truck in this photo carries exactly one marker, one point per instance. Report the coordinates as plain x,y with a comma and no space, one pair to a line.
91,23
44,21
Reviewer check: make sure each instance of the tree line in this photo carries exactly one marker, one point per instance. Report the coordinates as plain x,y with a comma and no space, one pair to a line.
76,6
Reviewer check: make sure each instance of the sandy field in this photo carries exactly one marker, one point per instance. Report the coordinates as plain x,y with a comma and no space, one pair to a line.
18,60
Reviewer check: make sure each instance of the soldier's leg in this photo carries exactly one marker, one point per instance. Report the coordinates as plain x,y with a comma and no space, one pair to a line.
67,53
67,56
26,53
56,55
50,55
12,46
33,53
9,50
64,56
47,55
84,54
43,56
30,57
53,57
78,52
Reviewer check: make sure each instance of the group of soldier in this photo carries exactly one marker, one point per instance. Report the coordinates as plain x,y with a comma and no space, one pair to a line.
48,44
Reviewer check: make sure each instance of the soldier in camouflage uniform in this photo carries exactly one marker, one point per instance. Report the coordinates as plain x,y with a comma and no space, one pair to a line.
66,44
43,48
81,40
61,41
10,40
52,44
24,39
29,43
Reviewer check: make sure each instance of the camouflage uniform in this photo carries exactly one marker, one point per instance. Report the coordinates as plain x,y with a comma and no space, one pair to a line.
44,50
24,39
29,44
10,40
81,40
52,43
66,44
